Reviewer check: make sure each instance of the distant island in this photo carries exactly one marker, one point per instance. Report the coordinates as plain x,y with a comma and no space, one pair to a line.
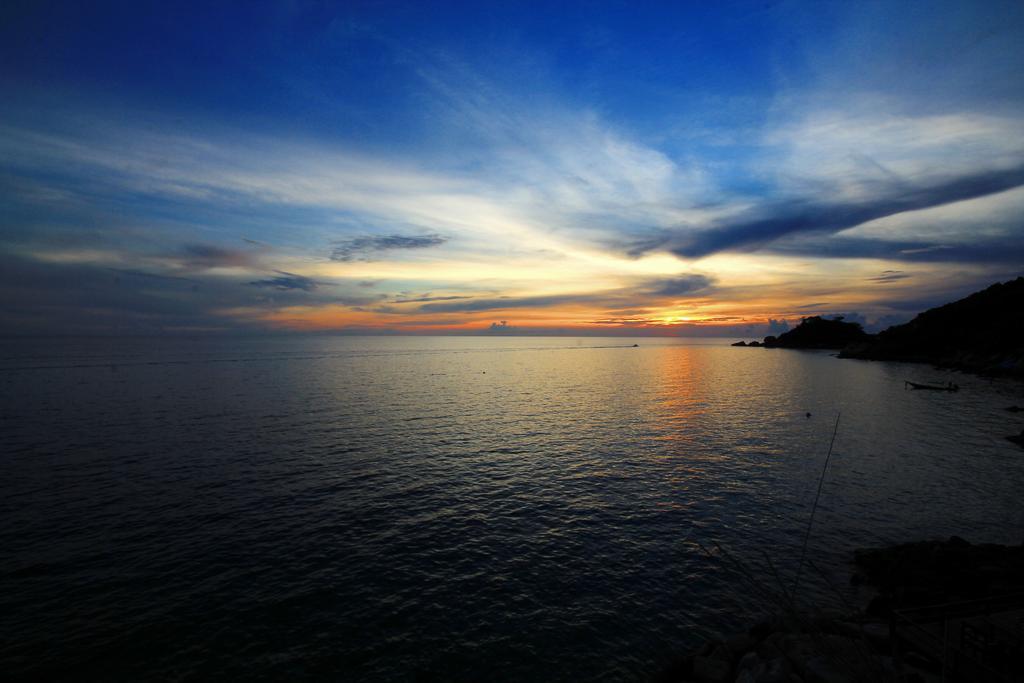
815,333
982,333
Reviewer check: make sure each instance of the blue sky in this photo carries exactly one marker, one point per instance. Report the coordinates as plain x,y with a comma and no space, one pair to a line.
676,168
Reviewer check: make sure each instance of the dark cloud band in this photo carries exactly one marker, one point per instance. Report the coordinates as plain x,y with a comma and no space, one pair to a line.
643,294
359,248
776,221
287,281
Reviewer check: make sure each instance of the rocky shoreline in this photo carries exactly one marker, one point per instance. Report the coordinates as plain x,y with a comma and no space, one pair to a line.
982,333
804,646
780,650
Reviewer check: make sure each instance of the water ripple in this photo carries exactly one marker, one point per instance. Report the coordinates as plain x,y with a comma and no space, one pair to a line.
450,509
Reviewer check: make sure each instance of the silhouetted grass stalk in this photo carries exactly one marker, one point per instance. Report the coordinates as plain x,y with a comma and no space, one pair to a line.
814,509
857,658
860,663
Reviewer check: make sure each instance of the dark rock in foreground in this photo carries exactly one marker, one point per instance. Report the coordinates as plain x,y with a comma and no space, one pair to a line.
815,649
983,332
819,333
932,572
810,646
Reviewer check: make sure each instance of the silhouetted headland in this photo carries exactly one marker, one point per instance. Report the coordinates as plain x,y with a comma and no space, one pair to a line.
815,333
982,333
819,333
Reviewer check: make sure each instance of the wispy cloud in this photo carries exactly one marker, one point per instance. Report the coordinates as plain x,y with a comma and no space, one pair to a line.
647,293
367,247
287,281
995,253
890,276
514,196
426,299
204,256
679,286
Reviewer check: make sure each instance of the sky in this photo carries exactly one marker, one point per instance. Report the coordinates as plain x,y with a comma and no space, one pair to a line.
619,168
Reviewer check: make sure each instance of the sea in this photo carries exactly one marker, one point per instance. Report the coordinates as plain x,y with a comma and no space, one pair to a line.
487,508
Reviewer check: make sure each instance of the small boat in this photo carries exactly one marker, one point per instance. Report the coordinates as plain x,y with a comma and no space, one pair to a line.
933,387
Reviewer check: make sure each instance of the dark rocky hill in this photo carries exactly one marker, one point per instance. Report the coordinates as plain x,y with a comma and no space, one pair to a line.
819,333
983,332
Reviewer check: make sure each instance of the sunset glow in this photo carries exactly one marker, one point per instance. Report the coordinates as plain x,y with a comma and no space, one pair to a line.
438,340
489,182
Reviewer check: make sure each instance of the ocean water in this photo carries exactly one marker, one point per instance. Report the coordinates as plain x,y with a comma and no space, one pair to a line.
460,508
